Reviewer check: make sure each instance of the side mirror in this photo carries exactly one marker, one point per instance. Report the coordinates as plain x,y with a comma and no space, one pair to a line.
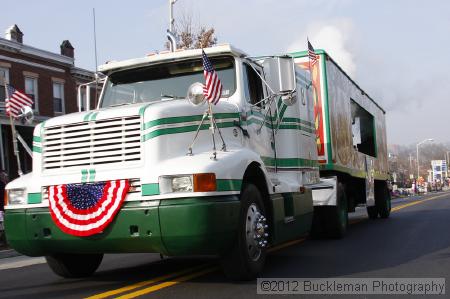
280,75
26,114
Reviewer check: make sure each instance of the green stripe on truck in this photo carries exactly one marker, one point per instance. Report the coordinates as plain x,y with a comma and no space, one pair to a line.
34,198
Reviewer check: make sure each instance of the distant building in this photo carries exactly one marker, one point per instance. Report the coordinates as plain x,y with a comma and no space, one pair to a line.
438,170
51,79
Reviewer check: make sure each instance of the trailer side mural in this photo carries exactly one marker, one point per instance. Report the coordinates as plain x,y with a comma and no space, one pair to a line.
351,131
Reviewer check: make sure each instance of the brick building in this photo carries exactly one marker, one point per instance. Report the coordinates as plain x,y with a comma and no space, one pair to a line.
51,79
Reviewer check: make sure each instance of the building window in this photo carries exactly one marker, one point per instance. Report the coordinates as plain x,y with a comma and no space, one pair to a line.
31,89
82,93
58,97
4,76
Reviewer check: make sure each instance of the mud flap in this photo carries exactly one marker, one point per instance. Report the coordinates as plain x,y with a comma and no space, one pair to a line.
325,192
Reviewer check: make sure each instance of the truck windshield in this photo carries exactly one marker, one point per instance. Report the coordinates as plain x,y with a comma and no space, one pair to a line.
162,81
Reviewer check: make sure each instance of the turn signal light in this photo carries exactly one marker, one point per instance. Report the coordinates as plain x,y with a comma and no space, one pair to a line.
5,198
204,182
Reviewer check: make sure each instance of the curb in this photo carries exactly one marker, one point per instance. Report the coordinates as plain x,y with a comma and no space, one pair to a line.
7,253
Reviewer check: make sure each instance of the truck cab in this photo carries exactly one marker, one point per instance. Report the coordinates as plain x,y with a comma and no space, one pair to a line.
228,180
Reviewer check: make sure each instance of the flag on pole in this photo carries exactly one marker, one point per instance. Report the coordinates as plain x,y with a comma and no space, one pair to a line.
16,100
313,57
86,209
212,89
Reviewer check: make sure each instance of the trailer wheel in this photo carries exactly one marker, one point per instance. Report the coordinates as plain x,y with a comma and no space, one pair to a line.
74,265
248,254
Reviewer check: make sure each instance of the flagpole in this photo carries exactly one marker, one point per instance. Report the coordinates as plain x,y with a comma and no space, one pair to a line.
212,128
309,62
14,134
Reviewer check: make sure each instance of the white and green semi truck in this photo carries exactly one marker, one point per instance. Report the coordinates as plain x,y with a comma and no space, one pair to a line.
230,181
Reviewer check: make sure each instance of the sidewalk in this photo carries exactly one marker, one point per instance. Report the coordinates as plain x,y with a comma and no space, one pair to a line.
5,251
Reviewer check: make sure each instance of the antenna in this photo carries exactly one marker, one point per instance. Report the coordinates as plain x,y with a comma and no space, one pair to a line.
96,63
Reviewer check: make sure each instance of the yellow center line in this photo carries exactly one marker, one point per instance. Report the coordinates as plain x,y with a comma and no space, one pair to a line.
167,283
284,245
179,278
144,283
417,202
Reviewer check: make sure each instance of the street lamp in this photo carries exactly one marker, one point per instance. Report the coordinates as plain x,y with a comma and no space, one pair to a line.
417,149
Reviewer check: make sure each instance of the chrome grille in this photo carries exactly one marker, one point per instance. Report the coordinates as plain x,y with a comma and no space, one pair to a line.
106,141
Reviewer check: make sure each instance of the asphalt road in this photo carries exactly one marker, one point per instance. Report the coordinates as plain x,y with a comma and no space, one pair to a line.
413,242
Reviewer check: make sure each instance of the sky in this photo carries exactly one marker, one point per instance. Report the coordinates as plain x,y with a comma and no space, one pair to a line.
396,50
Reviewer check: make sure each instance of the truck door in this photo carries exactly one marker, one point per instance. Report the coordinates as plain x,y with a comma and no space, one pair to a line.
258,115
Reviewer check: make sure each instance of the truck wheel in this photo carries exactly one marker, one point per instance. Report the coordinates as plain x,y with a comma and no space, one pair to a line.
248,254
383,202
331,221
318,223
74,265
373,212
338,220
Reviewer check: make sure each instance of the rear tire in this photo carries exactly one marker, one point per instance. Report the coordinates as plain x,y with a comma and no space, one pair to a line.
382,205
331,221
246,259
384,202
372,212
74,265
338,220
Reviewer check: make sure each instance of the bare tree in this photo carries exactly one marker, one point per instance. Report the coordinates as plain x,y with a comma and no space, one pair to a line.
205,38
191,36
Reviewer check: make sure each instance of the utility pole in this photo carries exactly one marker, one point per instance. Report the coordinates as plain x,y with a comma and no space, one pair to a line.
410,166
171,19
417,148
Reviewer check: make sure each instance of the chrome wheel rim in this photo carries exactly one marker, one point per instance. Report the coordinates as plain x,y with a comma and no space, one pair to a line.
256,231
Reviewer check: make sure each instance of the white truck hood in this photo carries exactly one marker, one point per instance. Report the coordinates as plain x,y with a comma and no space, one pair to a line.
98,114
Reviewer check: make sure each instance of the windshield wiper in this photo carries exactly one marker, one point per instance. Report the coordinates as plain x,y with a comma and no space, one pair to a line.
120,104
173,97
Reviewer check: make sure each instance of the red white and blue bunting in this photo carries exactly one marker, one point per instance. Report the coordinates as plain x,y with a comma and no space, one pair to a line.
86,209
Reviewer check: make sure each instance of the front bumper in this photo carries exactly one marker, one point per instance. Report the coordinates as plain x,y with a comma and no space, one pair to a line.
188,226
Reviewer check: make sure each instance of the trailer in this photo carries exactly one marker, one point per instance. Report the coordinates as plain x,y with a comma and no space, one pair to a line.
351,146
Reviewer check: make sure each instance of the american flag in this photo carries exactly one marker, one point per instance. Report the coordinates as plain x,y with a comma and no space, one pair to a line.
313,57
86,209
212,90
16,100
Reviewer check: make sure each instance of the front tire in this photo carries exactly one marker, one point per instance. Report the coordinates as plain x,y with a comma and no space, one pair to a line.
74,265
248,254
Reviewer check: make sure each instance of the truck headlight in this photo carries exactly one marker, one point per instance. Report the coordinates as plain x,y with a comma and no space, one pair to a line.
171,184
17,196
199,182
